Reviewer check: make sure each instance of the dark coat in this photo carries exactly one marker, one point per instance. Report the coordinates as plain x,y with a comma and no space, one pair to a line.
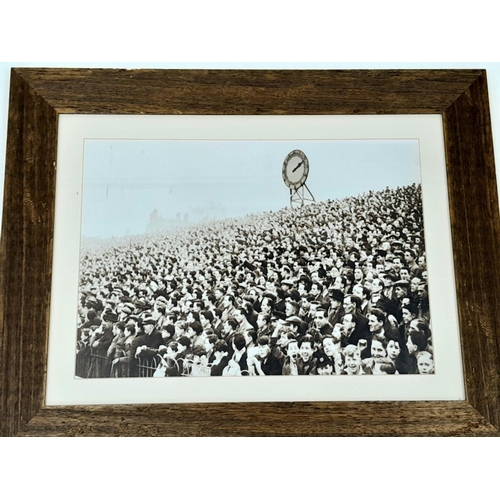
271,365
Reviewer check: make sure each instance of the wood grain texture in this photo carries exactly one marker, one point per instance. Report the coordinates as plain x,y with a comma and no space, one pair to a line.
245,92
475,223
264,419
38,96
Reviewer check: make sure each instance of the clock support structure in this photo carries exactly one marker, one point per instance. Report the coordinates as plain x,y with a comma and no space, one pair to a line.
300,196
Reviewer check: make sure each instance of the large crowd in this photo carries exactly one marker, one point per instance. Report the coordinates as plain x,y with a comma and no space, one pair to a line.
332,288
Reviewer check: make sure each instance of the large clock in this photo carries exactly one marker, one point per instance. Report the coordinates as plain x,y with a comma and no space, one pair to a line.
295,169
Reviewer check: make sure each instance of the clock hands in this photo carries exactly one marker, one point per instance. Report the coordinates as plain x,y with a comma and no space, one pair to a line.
298,166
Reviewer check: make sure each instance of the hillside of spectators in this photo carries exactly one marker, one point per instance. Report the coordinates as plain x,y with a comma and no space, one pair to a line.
332,288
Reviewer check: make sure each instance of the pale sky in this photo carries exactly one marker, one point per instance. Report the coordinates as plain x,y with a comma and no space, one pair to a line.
124,181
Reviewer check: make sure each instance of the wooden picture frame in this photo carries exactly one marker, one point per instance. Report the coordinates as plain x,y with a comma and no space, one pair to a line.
39,96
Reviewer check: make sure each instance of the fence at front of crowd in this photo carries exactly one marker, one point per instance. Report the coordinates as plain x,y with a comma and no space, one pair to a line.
91,363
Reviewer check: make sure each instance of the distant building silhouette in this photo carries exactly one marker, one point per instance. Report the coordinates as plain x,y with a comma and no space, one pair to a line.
159,223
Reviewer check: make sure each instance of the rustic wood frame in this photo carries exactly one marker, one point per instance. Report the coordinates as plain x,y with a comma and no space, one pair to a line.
39,96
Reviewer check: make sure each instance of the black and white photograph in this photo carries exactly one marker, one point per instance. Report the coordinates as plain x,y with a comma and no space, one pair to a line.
229,258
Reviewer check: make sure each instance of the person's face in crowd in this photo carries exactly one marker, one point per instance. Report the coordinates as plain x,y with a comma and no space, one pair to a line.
338,331
190,333
282,332
301,288
205,323
261,281
397,264
380,268
334,304
190,317
374,324
264,351
339,264
407,316
377,349
338,284
306,351
320,318
358,274
421,261
260,321
312,309
314,289
218,294
238,316
329,262
353,363
400,292
227,328
171,353
129,332
248,338
292,349
414,283
349,306
386,246
329,346
148,328
425,363
200,360
334,272
393,349
358,290
388,266
409,258
424,275
368,278
412,348
179,330
325,370
387,281
207,345
227,302
404,274
348,323
265,307
289,309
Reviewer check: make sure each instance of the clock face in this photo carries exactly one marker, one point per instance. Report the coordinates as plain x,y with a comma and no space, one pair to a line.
295,169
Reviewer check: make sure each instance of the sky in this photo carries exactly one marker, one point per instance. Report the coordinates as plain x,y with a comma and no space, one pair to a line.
124,180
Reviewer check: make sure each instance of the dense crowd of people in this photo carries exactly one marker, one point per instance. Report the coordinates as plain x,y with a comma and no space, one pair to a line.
332,288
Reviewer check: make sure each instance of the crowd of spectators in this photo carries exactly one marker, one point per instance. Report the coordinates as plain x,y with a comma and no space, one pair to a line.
332,288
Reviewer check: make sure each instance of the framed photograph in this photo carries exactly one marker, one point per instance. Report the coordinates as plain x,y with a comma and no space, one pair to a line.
240,252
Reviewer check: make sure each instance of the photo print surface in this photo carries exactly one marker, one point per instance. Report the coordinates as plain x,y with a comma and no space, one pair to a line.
252,258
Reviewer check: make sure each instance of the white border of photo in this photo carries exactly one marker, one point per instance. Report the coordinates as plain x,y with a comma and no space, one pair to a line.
64,389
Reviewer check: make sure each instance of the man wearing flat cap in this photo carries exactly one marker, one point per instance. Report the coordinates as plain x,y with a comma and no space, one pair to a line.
336,309
146,345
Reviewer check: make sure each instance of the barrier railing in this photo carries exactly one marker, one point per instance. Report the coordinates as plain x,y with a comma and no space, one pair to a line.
93,363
